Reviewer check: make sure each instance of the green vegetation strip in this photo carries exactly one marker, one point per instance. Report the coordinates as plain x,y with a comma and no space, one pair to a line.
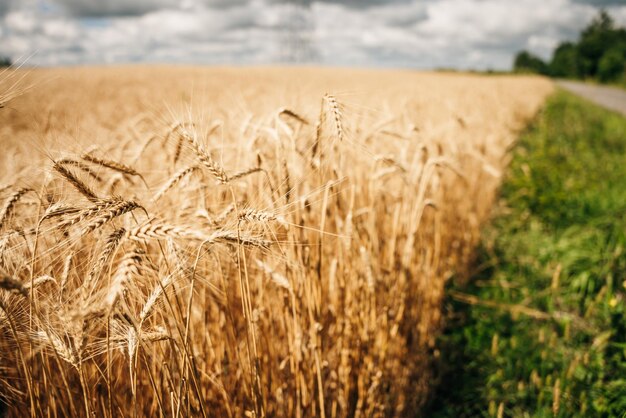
540,331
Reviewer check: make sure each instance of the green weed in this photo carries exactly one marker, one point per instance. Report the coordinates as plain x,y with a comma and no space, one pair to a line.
544,333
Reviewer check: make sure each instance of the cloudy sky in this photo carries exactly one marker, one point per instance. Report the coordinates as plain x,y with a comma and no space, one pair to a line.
380,33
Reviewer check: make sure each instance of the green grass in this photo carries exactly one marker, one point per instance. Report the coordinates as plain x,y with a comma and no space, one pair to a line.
556,246
621,83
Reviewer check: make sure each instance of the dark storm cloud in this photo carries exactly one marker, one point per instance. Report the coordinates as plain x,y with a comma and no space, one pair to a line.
98,8
5,6
104,8
601,3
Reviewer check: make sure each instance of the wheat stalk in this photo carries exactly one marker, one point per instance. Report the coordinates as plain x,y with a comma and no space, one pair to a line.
113,165
58,345
229,236
9,204
154,297
152,229
244,173
58,209
128,267
10,284
79,185
179,143
252,215
207,161
336,113
294,115
81,166
109,213
174,180
111,244
39,281
87,213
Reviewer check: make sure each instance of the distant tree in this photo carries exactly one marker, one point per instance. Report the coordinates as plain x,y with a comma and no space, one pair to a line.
612,65
595,40
565,61
600,53
5,62
527,62
603,49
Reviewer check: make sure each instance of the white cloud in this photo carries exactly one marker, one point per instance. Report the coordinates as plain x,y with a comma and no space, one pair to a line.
21,22
60,30
491,26
619,14
423,34
542,45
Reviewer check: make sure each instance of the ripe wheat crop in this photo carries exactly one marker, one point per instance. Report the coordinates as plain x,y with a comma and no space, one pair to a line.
239,242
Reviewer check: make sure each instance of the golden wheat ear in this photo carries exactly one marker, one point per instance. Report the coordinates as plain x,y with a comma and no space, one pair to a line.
129,267
293,115
12,285
78,184
335,111
113,165
205,158
9,204
81,166
175,179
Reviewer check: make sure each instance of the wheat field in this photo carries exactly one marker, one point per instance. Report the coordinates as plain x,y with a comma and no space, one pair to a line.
180,241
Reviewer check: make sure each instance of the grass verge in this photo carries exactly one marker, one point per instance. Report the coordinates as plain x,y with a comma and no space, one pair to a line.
540,330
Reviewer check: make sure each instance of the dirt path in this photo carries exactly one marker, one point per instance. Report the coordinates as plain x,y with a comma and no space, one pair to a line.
610,97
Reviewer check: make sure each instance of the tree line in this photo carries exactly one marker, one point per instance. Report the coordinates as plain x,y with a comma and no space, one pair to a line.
599,54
